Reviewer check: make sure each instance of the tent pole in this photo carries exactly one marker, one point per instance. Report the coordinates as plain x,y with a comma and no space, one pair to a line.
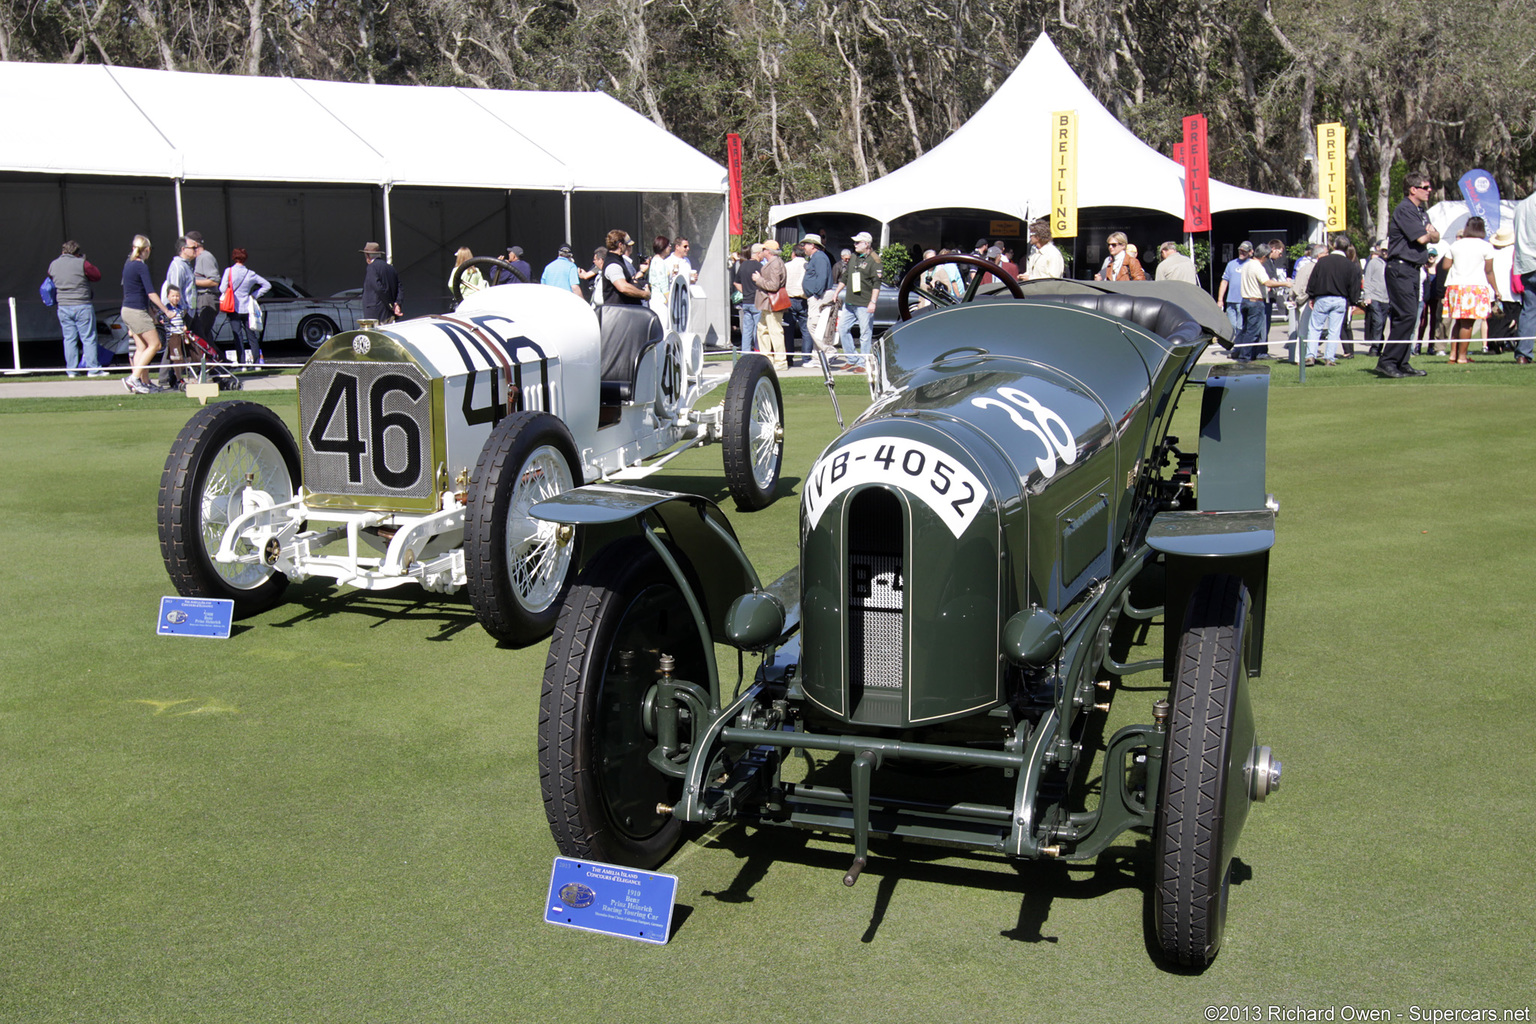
389,231
181,223
885,233
567,216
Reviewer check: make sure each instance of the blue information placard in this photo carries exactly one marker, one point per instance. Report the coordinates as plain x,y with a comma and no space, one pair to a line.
614,900
195,616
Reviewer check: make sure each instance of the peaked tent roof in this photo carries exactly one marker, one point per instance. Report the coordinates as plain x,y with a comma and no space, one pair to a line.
1011,131
130,121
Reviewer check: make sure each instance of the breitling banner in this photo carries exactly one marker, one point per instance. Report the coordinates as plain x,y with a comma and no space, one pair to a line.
733,168
1197,182
1330,173
1064,174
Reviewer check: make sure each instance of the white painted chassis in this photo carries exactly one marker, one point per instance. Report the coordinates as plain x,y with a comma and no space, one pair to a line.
428,549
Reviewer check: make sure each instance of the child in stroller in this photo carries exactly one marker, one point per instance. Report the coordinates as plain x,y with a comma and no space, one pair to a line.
208,362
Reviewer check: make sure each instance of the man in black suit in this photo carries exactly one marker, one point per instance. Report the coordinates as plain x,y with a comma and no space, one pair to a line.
1409,236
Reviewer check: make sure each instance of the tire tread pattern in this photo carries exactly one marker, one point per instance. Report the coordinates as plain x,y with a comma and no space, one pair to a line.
1190,892
589,620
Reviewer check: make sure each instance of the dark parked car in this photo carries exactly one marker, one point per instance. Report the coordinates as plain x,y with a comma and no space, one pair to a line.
978,554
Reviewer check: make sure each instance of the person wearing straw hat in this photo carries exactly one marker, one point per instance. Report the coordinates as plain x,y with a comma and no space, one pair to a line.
820,293
1506,309
381,286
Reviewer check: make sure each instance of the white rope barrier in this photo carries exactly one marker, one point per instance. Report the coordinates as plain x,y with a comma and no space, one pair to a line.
155,367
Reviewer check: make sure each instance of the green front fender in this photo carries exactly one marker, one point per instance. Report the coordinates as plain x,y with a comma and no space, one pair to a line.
713,568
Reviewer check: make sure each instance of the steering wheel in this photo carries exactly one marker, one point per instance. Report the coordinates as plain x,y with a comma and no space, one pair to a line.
458,272
911,282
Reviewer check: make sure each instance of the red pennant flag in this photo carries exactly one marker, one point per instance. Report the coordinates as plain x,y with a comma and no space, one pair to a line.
733,164
1197,186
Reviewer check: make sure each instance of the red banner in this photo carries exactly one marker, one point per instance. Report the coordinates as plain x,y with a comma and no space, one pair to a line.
733,164
1197,185
1178,153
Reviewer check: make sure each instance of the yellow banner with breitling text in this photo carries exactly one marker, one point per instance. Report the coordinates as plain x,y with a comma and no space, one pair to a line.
1064,174
1330,173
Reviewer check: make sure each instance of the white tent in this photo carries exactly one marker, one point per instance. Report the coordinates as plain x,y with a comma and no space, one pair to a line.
208,136
1449,216
999,161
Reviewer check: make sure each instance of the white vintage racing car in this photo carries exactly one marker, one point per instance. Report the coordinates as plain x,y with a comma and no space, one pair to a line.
423,444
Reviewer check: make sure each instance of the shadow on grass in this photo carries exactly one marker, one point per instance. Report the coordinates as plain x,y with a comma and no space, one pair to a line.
681,912
1039,884
317,600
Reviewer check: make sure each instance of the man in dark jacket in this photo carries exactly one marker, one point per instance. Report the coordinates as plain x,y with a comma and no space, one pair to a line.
1409,236
619,288
381,286
746,268
1333,287
521,272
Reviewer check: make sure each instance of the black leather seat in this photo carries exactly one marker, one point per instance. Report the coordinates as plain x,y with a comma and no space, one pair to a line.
627,333
1161,317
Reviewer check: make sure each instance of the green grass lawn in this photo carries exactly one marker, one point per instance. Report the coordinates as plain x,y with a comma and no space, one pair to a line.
335,814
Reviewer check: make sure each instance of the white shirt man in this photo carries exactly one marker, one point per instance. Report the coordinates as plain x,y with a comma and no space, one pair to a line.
1045,261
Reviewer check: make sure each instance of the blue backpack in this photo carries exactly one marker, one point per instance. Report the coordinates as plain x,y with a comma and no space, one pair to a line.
49,291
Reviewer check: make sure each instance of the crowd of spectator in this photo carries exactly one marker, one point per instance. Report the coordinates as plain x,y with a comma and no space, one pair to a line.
1417,295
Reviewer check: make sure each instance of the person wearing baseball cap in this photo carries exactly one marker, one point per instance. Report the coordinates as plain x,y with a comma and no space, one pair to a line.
521,272
861,290
562,272
1230,293
769,278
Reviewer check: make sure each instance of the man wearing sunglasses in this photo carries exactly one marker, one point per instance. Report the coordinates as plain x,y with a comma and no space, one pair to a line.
1409,236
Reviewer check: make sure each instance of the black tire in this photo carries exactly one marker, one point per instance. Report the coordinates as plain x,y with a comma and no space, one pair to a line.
600,791
315,331
204,476
1194,820
519,568
753,433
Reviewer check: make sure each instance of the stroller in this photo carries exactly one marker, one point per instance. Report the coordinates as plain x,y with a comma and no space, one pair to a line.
208,362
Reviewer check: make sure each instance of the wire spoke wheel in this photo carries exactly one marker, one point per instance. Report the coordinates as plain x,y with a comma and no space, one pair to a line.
245,460
517,568
537,559
224,449
754,433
